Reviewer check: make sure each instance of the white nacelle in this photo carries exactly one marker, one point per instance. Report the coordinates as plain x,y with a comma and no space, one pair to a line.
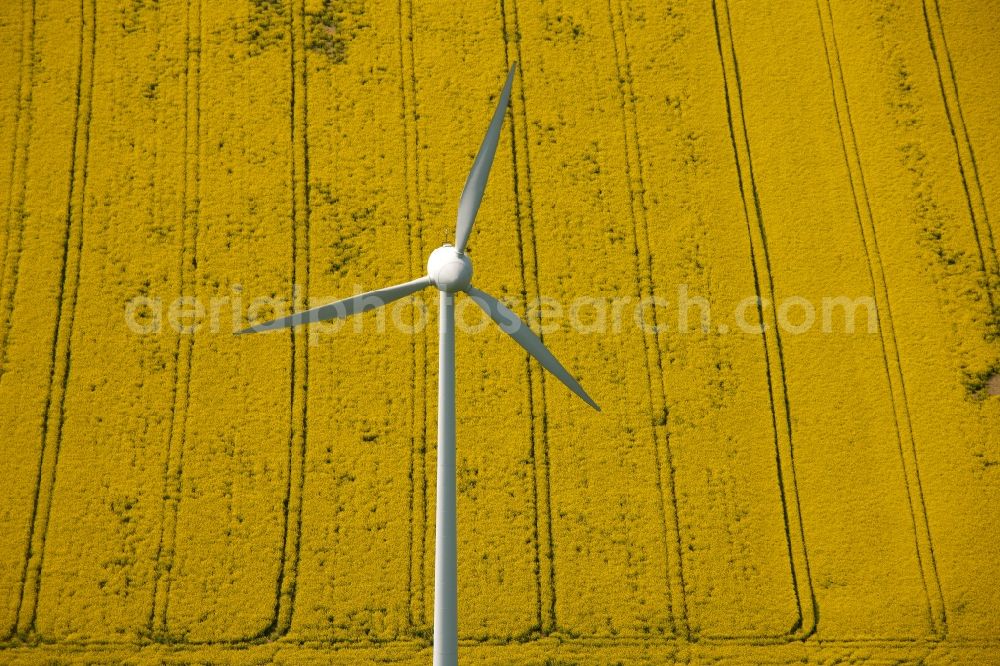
449,270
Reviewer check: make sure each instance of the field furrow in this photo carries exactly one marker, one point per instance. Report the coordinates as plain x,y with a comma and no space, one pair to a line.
42,274
741,539
607,496
353,571
236,406
860,531
887,333
532,308
17,25
301,257
930,236
107,423
186,235
421,390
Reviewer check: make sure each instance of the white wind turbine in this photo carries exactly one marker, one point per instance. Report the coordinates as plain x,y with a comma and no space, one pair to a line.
450,270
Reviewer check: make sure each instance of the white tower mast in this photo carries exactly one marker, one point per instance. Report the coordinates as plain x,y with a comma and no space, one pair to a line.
446,541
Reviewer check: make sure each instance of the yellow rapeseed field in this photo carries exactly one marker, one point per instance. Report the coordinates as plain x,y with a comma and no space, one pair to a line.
759,233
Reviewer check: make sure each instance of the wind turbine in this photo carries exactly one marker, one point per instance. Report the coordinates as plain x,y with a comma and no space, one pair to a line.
450,270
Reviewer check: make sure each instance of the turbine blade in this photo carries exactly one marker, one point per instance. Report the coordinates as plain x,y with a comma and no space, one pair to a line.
472,195
341,309
517,329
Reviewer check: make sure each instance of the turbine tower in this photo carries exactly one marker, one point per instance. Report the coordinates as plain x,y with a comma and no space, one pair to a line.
450,270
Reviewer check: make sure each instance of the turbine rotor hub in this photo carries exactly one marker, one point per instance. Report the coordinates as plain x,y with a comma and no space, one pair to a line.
449,270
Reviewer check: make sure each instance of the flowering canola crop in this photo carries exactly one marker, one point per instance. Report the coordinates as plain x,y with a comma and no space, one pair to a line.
724,182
